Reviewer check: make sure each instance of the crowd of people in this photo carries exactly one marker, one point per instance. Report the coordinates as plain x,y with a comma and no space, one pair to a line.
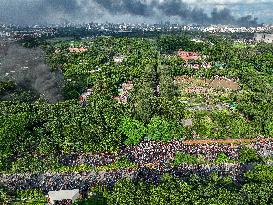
185,170
158,155
158,152
151,151
64,202
52,182
85,180
95,160
263,148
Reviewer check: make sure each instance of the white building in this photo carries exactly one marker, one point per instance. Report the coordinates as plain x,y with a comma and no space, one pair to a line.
263,37
119,59
63,196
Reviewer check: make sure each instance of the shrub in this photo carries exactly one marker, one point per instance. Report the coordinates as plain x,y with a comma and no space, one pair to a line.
181,158
222,158
133,129
248,155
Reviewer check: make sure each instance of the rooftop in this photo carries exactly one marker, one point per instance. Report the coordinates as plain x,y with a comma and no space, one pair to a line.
188,55
63,195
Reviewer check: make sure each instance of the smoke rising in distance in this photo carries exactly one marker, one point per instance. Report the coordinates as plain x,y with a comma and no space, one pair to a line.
235,12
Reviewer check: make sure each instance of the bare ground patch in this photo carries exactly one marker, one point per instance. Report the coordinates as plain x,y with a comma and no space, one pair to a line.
202,85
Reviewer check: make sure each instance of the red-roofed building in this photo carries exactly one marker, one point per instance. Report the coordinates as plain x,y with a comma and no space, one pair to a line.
188,55
77,50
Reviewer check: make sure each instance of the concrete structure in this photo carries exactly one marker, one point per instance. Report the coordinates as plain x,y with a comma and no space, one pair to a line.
187,122
84,96
63,196
119,59
263,37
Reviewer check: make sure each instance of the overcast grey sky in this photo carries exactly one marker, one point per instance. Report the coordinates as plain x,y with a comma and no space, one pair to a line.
150,11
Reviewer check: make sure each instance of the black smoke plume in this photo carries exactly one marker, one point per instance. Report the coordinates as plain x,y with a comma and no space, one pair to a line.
58,11
26,67
135,7
176,8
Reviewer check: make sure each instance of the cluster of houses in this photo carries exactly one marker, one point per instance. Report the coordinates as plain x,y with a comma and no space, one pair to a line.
263,37
169,26
122,97
124,92
233,29
73,50
19,33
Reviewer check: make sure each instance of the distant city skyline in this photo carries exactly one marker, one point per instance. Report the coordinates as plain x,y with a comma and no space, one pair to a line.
237,12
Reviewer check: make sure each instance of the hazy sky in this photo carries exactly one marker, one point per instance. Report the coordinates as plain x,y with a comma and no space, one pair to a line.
150,11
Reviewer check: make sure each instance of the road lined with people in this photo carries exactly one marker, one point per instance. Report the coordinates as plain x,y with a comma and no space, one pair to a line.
152,159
